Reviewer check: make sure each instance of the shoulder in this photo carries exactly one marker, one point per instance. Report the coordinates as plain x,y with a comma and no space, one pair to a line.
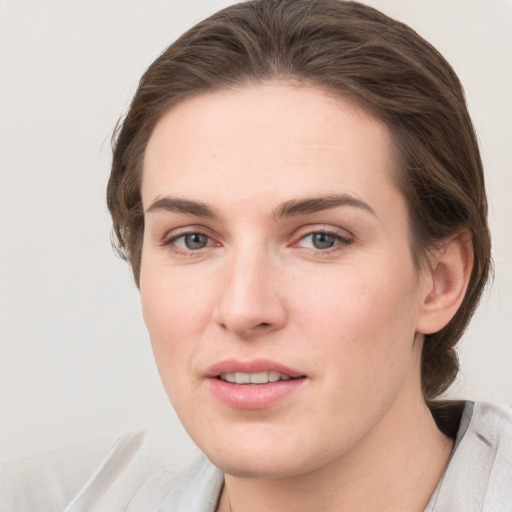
48,481
198,489
479,474
492,427
134,472
496,419
490,434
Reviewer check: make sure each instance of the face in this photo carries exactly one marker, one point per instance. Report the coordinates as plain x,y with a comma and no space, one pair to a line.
277,281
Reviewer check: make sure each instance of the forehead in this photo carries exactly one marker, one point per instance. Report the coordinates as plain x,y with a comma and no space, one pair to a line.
267,141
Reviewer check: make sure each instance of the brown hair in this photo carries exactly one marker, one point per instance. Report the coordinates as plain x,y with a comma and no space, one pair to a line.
353,51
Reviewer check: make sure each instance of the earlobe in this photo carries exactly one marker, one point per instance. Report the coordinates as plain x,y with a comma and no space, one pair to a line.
448,277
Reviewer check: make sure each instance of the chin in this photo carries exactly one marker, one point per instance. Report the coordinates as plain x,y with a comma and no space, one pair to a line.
249,465
254,455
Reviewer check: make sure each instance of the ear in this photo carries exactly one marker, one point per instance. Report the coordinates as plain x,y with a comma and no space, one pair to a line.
446,278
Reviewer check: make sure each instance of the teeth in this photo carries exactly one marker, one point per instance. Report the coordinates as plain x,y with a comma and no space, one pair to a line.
229,377
258,378
242,378
253,378
273,376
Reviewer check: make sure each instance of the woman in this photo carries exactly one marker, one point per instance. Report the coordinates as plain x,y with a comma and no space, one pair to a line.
298,189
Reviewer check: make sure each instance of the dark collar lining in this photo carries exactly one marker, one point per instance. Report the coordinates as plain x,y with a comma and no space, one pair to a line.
447,415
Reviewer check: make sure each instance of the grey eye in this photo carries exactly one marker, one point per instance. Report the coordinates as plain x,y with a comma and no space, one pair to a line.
322,240
195,241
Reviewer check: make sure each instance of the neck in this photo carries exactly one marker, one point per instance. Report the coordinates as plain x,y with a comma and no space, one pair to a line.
399,462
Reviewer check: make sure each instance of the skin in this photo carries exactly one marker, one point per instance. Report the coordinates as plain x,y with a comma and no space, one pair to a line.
357,434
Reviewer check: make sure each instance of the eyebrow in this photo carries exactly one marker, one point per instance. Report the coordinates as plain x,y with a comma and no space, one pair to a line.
185,206
292,208
307,206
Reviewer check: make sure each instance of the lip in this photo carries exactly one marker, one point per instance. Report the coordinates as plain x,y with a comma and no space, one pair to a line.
252,396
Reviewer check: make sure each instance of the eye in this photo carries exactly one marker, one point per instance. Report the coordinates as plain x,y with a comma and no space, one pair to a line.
195,241
322,241
190,242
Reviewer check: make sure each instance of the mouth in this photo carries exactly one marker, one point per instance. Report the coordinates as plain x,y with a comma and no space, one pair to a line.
257,371
254,378
253,385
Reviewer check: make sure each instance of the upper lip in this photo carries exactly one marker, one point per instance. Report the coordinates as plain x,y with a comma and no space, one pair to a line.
254,366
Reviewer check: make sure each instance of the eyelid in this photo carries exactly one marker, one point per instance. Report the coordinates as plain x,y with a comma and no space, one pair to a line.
177,232
169,238
342,236
337,232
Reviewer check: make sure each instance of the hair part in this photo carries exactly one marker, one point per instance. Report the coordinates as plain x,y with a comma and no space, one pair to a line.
355,52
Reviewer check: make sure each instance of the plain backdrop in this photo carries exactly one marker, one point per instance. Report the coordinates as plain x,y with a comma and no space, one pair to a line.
75,359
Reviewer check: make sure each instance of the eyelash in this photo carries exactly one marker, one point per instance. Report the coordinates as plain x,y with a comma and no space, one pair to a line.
171,244
340,242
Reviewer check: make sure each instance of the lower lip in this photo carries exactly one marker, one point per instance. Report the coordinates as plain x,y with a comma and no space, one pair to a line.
253,396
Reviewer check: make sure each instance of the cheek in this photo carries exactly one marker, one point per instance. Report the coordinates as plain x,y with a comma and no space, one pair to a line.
175,311
360,296
363,338
166,307
171,312
363,320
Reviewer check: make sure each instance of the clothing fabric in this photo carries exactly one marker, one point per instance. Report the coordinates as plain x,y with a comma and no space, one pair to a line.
137,474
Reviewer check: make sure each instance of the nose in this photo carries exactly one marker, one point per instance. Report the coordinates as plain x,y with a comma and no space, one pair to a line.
251,300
